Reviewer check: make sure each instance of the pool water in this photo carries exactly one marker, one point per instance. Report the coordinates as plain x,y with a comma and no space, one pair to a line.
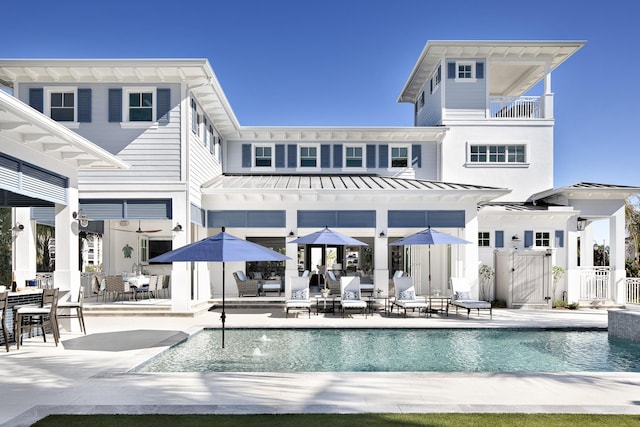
395,350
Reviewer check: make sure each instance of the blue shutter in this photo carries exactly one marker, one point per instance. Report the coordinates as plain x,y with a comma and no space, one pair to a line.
528,238
337,155
383,156
325,156
479,70
559,238
84,105
371,156
292,156
115,105
431,86
451,70
246,155
499,239
416,154
279,155
36,99
164,105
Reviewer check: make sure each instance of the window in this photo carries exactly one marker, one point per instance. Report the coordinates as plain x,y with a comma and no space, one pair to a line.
62,106
543,239
421,100
484,239
194,116
140,106
353,156
263,156
497,154
465,71
435,80
399,157
308,157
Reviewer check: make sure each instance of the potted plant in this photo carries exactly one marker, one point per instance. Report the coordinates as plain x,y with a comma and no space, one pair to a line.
324,292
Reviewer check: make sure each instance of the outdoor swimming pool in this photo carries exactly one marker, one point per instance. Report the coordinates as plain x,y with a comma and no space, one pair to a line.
396,350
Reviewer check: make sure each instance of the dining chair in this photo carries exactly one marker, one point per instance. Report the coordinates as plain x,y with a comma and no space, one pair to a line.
30,318
73,310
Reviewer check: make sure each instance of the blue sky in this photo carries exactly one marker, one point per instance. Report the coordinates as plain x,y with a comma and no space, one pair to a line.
344,62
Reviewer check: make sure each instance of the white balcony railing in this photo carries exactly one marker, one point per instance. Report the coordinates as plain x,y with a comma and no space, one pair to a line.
595,283
515,107
633,290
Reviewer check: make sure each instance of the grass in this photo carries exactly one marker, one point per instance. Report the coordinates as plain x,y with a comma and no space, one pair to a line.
343,420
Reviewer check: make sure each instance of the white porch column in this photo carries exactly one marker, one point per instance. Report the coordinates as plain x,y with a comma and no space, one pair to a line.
617,255
469,264
381,252
547,98
24,249
67,272
181,277
291,265
573,275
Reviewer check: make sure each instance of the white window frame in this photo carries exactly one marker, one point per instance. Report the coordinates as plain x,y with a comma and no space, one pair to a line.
488,163
550,239
254,166
391,147
364,157
472,66
308,168
126,91
436,79
48,90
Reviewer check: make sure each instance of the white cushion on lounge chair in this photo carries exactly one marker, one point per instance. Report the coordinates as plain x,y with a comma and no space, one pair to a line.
462,297
350,286
298,295
406,295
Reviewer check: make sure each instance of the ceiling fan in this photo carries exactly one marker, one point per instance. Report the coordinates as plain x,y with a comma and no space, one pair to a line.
139,230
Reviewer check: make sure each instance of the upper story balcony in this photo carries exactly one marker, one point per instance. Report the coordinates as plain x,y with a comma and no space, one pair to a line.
516,107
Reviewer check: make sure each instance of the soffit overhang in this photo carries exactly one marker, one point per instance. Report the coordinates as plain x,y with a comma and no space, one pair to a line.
31,130
586,190
514,66
196,74
341,134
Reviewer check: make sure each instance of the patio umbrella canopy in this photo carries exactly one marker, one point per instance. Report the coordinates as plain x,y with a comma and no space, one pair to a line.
222,247
328,237
429,237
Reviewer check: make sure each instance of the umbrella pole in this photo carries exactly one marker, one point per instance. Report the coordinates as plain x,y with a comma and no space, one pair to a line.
223,316
429,281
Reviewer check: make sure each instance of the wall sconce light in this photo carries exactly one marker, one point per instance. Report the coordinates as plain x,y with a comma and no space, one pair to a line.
178,227
18,227
82,218
291,233
582,223
382,234
515,238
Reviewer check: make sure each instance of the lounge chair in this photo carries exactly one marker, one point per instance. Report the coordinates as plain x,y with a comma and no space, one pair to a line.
405,296
350,295
298,295
246,287
461,298
332,283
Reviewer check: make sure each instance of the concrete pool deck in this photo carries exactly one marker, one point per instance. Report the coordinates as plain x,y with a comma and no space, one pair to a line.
88,374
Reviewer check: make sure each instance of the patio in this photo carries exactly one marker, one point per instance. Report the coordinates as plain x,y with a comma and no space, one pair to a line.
46,379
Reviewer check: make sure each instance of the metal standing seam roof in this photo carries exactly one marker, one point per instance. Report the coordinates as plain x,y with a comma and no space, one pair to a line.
334,182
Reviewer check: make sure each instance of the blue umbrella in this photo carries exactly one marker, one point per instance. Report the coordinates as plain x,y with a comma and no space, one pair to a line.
222,247
429,237
327,237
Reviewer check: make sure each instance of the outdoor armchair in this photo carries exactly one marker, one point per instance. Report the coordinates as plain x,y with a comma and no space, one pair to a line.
246,287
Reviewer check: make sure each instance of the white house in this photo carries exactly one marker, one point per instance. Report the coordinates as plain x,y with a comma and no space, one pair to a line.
478,164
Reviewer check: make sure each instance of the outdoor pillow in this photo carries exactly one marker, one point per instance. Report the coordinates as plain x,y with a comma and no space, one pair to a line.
407,295
463,295
350,295
300,294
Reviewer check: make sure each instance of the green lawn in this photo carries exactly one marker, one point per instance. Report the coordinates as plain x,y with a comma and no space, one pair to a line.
338,420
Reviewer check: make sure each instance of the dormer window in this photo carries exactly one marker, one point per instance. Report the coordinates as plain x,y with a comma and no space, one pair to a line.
354,156
263,156
62,106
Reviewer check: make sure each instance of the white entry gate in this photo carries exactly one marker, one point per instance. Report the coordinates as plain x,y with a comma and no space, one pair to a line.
523,278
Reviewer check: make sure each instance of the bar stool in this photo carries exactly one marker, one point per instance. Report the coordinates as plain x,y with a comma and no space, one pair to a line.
29,318
4,301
